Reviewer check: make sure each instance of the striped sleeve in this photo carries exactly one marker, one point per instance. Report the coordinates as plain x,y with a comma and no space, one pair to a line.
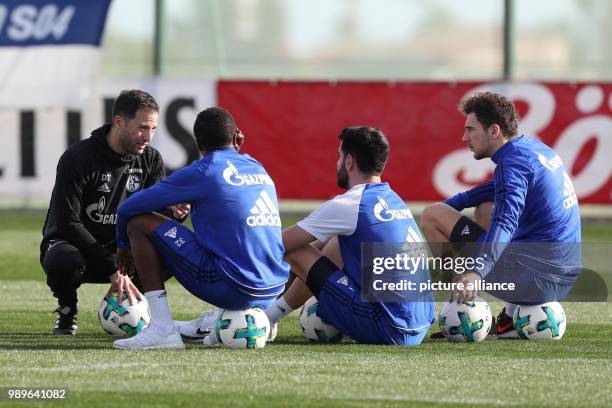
512,178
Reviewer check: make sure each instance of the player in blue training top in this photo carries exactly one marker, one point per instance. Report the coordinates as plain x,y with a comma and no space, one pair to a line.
233,259
368,212
530,235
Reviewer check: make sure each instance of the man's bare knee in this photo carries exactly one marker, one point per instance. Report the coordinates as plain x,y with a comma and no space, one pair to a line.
302,259
332,251
432,215
135,225
291,257
427,216
437,222
143,224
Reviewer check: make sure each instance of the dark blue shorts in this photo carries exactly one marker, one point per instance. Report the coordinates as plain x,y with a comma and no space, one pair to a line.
527,273
530,287
339,304
200,271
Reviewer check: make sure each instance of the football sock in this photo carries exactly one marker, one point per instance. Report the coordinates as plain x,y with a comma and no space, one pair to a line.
278,310
509,308
161,317
67,298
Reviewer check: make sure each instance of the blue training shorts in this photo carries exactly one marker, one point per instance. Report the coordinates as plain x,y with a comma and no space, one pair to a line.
531,288
200,271
536,281
339,304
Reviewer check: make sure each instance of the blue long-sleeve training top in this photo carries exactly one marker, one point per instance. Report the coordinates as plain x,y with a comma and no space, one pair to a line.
234,212
534,202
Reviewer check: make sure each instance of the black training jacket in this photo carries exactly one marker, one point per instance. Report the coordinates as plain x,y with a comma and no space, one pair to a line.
90,183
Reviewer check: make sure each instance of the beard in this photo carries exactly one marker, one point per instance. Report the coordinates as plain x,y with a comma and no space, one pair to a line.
342,177
484,153
129,145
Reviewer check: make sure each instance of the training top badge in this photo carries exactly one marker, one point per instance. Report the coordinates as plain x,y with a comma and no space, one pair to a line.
133,183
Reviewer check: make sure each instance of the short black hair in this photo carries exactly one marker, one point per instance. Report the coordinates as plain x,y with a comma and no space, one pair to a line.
214,128
368,146
491,108
131,100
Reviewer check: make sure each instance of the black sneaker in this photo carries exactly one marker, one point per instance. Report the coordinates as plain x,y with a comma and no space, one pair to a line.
437,336
504,327
66,322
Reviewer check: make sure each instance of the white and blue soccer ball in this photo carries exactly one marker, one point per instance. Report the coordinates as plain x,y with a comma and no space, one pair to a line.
316,329
540,322
243,329
121,318
465,322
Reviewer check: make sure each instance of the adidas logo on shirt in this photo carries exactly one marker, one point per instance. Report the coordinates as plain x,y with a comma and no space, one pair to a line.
343,281
104,188
171,233
265,212
466,230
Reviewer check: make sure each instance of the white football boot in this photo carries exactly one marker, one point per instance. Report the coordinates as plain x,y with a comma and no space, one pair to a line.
212,340
273,332
194,331
151,338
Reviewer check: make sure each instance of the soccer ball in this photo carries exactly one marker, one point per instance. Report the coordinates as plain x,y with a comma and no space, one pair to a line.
315,328
540,322
122,319
465,322
243,329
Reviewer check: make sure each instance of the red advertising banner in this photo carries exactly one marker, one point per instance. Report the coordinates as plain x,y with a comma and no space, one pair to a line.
292,128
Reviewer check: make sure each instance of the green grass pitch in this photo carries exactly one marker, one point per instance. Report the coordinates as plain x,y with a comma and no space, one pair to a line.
573,372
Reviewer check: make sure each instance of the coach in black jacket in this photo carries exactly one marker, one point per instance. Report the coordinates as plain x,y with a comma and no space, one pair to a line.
93,177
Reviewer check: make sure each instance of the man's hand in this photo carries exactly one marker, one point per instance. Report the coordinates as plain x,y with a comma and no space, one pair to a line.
121,284
467,279
124,262
180,211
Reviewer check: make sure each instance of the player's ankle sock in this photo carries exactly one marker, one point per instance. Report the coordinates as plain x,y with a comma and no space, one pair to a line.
509,308
278,310
67,299
161,318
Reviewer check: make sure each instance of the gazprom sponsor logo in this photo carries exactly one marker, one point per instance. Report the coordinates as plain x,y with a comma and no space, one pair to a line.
95,212
232,177
384,213
264,212
571,199
553,164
